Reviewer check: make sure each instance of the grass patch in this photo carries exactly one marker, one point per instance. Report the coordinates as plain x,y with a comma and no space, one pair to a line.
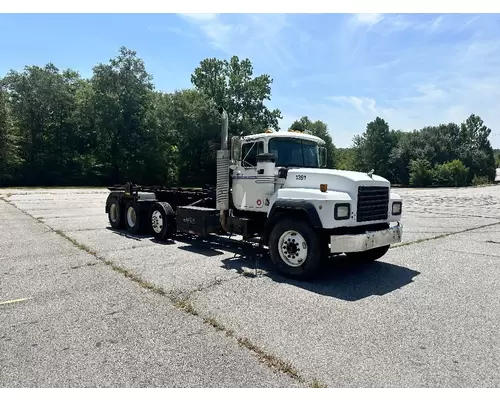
316,384
186,306
270,360
75,243
142,283
135,278
216,324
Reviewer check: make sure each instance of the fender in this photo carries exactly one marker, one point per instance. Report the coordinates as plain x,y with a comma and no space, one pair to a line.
302,205
293,205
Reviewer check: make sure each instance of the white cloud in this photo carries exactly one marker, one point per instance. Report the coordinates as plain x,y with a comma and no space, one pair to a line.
218,33
412,70
365,105
367,19
422,71
436,23
257,36
199,17
427,93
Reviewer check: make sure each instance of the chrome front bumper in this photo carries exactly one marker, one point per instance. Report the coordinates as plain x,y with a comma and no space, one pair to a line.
366,241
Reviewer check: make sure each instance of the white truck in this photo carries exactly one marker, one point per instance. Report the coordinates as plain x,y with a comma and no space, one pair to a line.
274,186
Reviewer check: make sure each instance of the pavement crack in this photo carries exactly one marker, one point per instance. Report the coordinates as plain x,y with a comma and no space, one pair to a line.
444,235
185,305
472,253
263,356
210,285
452,215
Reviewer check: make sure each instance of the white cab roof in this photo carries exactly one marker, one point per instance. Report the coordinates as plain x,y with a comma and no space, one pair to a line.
296,135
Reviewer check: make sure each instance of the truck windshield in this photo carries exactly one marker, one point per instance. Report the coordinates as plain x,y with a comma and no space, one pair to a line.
291,152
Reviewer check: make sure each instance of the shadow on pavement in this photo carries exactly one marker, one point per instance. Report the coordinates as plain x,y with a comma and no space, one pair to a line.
339,278
127,235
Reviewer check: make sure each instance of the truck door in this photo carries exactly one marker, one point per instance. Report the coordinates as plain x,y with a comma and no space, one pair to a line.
245,193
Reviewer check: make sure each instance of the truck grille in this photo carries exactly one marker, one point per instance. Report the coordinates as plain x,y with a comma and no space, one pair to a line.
373,203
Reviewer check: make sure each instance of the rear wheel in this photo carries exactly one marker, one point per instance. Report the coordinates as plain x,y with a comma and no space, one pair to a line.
162,219
115,215
295,249
134,221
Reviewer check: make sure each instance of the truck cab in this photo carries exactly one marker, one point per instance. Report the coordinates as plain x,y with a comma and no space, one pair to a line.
307,210
255,178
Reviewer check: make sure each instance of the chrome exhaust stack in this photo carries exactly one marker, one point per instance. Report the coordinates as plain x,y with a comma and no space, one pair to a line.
223,159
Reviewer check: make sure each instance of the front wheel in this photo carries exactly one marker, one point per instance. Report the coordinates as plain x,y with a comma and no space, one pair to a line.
295,249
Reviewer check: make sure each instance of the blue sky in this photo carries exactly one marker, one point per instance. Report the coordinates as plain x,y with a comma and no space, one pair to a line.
345,69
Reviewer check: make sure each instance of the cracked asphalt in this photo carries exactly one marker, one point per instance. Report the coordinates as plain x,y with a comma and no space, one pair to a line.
100,308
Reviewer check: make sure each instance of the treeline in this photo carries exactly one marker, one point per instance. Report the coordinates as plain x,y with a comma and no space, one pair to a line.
444,155
57,128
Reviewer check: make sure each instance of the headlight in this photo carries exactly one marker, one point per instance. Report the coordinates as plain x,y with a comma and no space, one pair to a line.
342,211
396,208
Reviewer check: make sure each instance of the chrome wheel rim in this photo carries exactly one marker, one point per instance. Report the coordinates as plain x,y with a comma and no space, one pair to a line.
131,216
113,212
157,221
292,248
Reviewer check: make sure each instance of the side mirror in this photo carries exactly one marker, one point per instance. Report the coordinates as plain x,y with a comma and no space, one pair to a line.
235,149
322,157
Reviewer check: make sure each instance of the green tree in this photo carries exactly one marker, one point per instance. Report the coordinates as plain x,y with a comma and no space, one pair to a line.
452,173
197,128
345,159
9,160
122,94
374,147
401,155
319,129
475,148
231,84
497,157
42,104
421,173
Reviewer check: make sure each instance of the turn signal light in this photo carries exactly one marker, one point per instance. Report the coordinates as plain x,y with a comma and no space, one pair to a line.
323,187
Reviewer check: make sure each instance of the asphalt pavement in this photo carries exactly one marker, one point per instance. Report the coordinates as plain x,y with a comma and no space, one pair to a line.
96,307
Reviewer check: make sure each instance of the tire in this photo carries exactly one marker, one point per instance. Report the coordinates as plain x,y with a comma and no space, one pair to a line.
162,220
283,251
369,256
134,218
115,214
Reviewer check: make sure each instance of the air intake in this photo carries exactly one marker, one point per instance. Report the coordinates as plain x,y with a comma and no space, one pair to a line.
373,203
